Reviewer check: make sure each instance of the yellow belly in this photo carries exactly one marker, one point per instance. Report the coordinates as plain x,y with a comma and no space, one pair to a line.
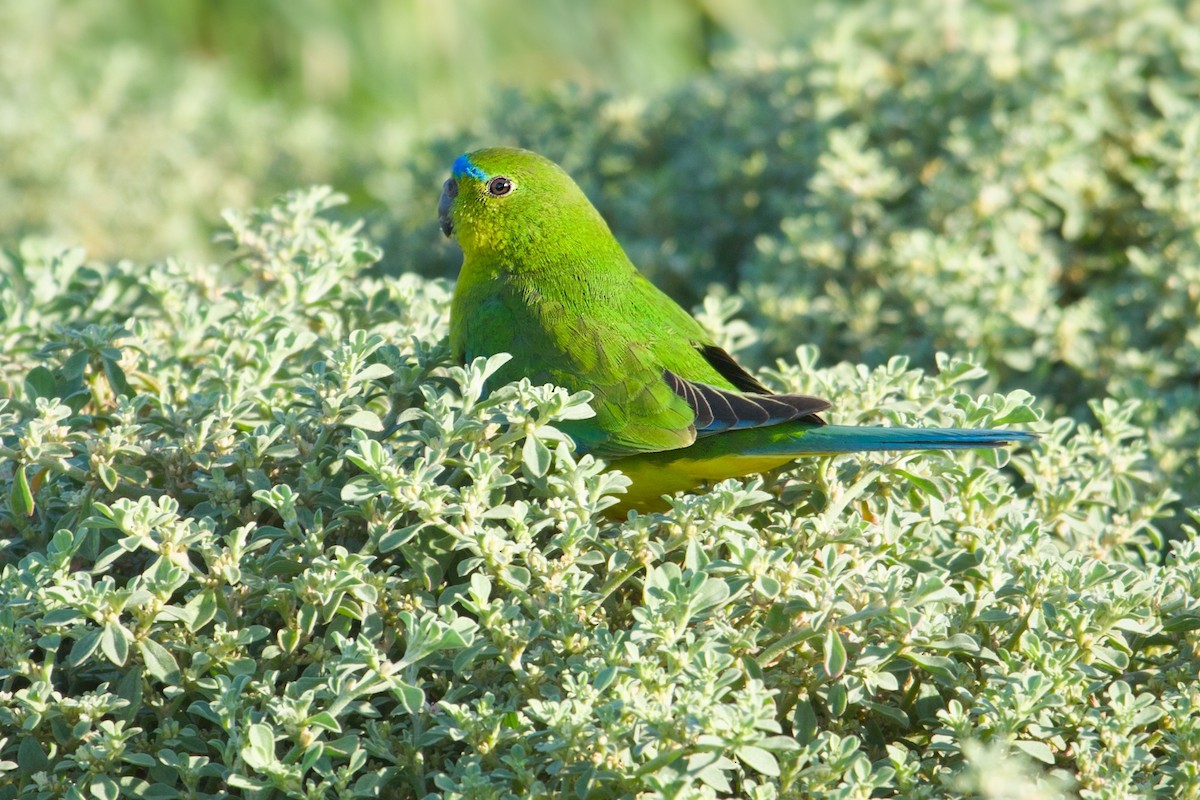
656,474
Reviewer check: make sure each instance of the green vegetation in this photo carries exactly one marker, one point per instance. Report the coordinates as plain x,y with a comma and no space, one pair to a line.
259,538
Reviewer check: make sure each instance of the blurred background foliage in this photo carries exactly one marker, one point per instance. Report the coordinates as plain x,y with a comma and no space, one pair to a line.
147,115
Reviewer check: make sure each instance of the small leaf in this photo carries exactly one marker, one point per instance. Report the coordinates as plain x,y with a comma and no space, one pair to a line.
838,699
373,372
604,678
205,607
804,722
516,577
364,419
411,697
20,497
835,654
288,639
129,689
114,642
61,616
927,486
108,476
712,593
259,749
82,650
959,642
1039,750
116,378
536,456
938,666
31,757
40,383
104,788
1147,716
394,538
1018,415
325,721
306,618
758,759
767,586
74,366
159,661
360,488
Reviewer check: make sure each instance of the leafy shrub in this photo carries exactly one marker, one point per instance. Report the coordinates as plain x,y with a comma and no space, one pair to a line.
262,537
259,535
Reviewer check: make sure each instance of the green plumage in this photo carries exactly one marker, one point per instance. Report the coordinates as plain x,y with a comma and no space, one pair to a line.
544,279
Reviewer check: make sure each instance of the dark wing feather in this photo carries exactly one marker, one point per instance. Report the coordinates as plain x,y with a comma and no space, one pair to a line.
721,410
730,370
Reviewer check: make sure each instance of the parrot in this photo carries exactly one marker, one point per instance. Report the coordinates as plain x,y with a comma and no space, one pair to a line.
544,279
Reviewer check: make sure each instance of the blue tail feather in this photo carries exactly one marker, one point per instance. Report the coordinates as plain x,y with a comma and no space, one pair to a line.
733,453
828,439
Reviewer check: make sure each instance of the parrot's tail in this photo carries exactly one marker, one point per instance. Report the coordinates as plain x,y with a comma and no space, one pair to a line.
828,439
741,452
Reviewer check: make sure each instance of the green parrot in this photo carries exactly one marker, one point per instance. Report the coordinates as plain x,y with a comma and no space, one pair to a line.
543,278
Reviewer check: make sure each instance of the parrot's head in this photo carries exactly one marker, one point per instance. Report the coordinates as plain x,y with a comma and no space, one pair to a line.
511,201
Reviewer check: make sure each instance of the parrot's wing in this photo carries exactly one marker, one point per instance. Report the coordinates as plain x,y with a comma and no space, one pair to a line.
636,410
643,401
717,410
642,407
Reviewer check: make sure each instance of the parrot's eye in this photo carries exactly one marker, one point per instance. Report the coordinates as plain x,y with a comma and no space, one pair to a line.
499,186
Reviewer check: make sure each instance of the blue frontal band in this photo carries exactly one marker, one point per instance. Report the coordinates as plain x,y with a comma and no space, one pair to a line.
463,166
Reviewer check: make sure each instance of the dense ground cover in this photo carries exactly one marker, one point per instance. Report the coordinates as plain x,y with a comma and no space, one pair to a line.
258,534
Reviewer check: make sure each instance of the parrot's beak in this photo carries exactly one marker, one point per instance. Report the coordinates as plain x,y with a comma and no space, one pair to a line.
449,192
